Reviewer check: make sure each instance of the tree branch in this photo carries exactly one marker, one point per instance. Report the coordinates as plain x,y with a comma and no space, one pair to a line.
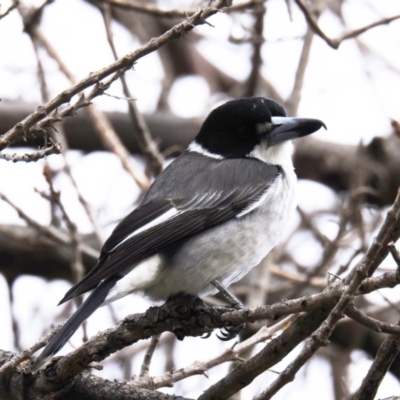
388,351
145,141
371,323
188,316
374,256
30,124
335,43
13,6
158,12
55,148
18,385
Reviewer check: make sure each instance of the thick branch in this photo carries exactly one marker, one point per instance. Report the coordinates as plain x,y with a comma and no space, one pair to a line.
187,316
184,316
331,164
25,250
18,386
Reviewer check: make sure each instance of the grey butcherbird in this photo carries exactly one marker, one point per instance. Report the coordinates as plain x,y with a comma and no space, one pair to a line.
209,217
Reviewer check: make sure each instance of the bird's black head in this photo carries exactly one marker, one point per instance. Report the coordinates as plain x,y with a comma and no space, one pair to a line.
236,128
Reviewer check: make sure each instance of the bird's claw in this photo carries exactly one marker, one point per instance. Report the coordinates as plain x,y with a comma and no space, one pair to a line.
206,335
230,332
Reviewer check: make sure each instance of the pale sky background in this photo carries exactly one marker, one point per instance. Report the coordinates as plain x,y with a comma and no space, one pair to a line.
354,94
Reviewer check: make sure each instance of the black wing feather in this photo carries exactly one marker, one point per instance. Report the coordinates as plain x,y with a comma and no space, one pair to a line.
135,220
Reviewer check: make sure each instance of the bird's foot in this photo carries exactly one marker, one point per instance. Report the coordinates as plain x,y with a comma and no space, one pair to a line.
230,297
185,307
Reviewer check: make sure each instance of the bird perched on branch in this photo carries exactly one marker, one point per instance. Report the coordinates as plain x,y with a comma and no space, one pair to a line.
209,217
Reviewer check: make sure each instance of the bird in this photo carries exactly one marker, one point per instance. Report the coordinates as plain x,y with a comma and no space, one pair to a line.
210,217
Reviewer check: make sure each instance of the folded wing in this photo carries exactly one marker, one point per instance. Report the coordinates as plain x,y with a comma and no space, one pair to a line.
184,207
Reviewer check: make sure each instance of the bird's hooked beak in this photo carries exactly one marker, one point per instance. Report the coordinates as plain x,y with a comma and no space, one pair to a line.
286,128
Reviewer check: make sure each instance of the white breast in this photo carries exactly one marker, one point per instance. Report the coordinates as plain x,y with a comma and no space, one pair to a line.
229,251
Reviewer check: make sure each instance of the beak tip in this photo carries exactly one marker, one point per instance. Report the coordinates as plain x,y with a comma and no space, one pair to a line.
319,124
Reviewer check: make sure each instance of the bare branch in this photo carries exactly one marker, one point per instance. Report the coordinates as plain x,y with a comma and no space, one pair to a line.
26,354
146,143
9,9
335,43
271,354
395,254
231,354
257,40
28,125
388,351
175,318
371,323
356,32
55,148
84,386
102,124
158,12
294,98
50,231
144,370
375,254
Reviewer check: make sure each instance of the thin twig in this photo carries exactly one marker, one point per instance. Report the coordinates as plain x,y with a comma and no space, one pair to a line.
9,9
77,267
292,104
77,264
295,278
50,231
329,252
335,43
145,141
308,223
371,260
155,11
294,98
30,123
103,126
55,148
89,211
395,254
257,40
26,354
144,370
371,323
39,40
228,355
384,358
356,32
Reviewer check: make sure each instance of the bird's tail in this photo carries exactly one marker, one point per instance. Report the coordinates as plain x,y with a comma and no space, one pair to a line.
81,314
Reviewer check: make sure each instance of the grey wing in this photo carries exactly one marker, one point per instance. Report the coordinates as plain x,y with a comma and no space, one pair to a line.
202,194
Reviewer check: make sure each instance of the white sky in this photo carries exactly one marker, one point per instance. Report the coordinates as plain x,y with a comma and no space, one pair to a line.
355,95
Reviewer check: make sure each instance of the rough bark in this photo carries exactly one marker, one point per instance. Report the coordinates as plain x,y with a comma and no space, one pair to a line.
20,385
